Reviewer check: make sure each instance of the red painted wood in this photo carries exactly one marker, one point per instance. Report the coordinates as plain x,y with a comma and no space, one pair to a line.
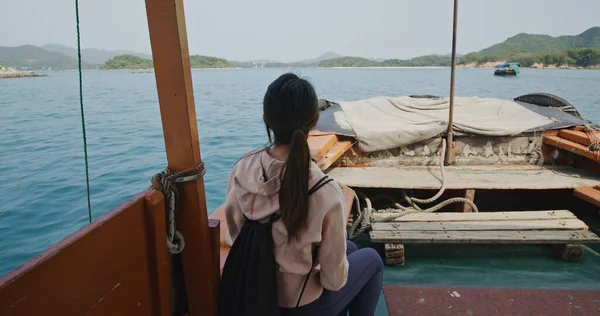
571,147
100,269
428,301
575,136
219,215
319,145
159,258
588,194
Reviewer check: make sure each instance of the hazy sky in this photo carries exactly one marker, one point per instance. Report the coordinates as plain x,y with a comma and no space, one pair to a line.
293,30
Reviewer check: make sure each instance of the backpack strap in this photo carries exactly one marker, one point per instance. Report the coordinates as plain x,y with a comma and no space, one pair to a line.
315,251
323,181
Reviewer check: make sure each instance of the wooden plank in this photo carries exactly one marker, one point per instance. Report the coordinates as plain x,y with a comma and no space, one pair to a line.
548,224
159,258
570,146
214,226
170,54
575,136
333,154
588,194
74,275
480,216
551,132
485,237
320,145
219,214
458,177
348,195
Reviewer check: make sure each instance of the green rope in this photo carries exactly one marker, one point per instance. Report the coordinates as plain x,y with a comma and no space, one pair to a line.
87,174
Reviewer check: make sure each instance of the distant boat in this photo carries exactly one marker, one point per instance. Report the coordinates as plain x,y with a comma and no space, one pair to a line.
507,69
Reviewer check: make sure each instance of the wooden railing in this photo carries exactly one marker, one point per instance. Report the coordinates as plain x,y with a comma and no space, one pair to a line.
117,265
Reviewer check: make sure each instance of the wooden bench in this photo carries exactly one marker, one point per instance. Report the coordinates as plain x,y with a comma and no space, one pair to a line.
559,227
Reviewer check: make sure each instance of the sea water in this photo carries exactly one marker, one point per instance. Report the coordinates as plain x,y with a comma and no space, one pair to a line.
42,173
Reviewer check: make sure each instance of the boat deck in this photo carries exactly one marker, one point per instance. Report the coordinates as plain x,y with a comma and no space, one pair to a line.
509,177
492,280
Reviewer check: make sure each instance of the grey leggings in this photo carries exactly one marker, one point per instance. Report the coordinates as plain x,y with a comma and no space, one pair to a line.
360,294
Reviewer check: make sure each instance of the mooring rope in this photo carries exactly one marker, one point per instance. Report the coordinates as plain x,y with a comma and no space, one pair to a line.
165,182
364,218
85,153
594,141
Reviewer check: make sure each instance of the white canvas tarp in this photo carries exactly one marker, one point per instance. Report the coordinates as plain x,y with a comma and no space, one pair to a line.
384,122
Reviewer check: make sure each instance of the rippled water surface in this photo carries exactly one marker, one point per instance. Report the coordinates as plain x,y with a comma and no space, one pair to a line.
42,187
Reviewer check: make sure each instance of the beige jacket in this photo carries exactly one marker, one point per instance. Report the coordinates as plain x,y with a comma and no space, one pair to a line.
253,190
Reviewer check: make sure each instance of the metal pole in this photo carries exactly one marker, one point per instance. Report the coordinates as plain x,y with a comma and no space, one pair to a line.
449,142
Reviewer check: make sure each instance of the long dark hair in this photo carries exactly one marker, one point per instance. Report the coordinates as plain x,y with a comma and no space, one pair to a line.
291,109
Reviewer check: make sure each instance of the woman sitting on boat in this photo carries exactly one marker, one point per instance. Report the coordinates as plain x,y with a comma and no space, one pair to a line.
279,190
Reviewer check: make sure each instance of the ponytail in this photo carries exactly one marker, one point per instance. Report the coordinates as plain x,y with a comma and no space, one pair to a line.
293,194
290,110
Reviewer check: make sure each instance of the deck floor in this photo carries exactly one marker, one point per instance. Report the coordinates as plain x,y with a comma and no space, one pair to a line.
466,177
428,301
483,273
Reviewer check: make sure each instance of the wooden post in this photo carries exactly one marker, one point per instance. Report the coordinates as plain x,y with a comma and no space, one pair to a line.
468,194
171,58
214,228
160,263
394,255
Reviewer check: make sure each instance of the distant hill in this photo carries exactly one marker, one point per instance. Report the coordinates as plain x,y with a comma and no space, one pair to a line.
421,61
267,63
533,48
262,61
326,56
543,43
349,62
33,57
92,55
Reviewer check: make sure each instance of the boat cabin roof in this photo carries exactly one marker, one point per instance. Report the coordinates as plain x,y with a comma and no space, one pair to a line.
508,65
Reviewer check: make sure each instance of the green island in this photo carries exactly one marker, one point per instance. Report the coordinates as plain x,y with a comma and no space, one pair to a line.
134,62
127,62
201,61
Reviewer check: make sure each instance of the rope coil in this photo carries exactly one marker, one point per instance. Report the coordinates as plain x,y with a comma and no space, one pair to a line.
364,217
165,182
593,137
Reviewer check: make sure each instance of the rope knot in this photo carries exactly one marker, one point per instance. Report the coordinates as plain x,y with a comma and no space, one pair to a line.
165,182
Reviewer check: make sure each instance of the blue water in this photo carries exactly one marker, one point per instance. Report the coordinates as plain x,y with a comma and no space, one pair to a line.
42,189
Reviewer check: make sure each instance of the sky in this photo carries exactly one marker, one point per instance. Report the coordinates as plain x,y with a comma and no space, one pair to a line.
285,30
